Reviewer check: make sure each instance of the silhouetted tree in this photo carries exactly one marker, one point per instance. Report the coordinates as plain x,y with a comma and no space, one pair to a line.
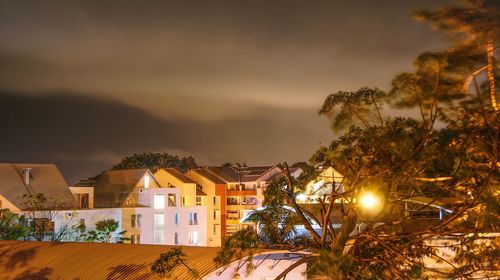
155,161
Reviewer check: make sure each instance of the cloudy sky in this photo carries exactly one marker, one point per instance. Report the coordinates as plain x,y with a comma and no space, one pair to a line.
83,83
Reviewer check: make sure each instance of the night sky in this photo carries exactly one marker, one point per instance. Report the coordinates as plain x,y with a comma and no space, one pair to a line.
83,83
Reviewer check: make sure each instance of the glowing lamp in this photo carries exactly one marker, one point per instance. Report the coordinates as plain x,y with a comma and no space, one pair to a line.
369,200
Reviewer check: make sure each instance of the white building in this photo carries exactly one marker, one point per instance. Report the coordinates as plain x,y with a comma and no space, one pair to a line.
148,212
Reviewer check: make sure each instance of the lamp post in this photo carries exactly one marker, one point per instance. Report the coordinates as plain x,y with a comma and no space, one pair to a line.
370,203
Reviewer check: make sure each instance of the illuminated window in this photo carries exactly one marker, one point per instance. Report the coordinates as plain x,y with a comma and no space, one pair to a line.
146,182
158,229
159,201
193,237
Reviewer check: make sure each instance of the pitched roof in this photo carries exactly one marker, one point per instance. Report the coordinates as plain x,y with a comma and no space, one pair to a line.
200,192
209,175
68,260
237,174
89,183
114,186
179,175
44,178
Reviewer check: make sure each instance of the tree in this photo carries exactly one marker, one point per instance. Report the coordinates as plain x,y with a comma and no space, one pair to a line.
12,226
168,261
41,215
475,25
155,161
400,159
106,232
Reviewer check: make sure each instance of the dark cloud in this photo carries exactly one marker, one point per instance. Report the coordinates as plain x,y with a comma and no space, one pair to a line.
85,134
222,80
282,53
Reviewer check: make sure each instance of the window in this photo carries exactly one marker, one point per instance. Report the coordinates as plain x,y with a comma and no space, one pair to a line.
158,229
183,201
171,200
249,201
146,182
195,219
83,200
233,215
215,200
135,220
176,218
176,238
135,239
190,219
128,201
232,201
43,225
159,201
215,215
198,201
215,229
193,237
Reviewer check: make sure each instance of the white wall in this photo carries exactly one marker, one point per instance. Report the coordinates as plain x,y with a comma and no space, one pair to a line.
182,227
91,216
268,268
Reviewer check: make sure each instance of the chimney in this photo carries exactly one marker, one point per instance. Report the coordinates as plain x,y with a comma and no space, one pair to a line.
27,176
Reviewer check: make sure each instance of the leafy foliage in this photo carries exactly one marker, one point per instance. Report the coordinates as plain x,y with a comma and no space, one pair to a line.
12,226
240,244
446,156
155,161
167,262
106,232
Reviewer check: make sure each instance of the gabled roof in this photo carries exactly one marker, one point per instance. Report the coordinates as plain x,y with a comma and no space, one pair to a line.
44,178
179,175
68,260
209,175
114,186
88,183
200,192
240,174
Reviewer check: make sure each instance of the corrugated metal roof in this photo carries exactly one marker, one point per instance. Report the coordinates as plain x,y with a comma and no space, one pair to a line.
66,260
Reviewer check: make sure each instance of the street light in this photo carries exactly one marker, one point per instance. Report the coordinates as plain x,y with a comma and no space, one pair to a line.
369,200
370,203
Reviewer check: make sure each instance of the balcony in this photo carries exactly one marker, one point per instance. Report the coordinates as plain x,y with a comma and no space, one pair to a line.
241,192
